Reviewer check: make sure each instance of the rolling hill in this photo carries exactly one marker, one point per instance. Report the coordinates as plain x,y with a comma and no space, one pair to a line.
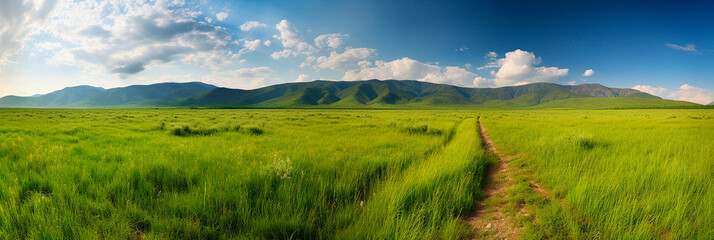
160,94
346,94
59,98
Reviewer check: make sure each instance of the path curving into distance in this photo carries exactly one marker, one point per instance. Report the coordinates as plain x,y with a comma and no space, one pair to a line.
489,220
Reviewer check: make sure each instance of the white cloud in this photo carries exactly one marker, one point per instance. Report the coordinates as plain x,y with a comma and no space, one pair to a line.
209,20
518,68
267,43
570,83
250,45
309,60
222,16
18,21
283,54
493,62
48,46
125,38
411,69
661,92
691,48
250,25
364,64
333,40
462,49
345,60
245,78
303,78
290,37
693,94
588,73
686,92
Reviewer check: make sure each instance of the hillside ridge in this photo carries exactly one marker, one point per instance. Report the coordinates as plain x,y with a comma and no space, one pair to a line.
340,94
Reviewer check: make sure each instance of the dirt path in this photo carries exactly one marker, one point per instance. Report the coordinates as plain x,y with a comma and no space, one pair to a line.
489,220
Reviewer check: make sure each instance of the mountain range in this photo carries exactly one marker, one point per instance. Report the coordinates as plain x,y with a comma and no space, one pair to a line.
345,94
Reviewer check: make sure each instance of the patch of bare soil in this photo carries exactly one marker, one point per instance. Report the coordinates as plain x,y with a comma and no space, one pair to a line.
490,221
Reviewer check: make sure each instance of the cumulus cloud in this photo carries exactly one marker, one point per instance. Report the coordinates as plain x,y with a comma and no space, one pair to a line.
309,60
333,40
18,21
518,67
693,94
267,43
661,92
48,46
245,78
493,62
690,48
407,68
685,92
283,54
250,25
303,78
290,37
222,16
588,73
345,60
250,46
126,38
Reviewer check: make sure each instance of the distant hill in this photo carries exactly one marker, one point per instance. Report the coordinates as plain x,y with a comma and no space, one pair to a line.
59,98
160,94
376,93
711,103
347,94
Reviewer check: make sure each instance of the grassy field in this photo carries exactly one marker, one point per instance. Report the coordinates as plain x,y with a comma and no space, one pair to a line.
620,174
350,174
212,174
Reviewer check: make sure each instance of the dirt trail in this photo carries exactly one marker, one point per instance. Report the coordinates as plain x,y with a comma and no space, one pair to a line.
489,220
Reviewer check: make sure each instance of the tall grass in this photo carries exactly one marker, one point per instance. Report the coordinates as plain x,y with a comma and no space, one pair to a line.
628,174
430,198
125,174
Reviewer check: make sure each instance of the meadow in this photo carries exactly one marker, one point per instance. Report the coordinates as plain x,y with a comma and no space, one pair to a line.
351,174
613,174
246,174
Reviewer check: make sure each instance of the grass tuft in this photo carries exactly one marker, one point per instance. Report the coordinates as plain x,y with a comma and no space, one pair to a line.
188,131
422,129
255,130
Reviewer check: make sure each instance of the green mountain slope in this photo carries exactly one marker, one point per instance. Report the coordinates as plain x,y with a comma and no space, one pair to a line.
348,94
161,94
57,98
375,93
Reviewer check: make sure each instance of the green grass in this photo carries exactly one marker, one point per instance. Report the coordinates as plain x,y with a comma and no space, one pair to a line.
429,199
624,174
609,103
213,174
350,174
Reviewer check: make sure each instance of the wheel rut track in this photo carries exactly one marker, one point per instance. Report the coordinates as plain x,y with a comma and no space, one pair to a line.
491,222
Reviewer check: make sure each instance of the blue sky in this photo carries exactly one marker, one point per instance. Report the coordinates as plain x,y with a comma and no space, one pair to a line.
661,47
